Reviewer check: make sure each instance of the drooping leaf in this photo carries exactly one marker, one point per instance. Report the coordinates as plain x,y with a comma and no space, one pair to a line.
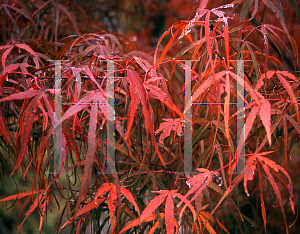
126,193
260,82
31,209
151,207
26,130
136,222
136,81
265,116
262,203
226,106
86,177
206,84
88,207
42,211
169,214
82,103
289,90
27,48
208,43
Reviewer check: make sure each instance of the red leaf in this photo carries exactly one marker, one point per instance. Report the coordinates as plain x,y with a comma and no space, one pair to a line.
27,127
137,82
42,211
226,106
168,126
265,116
275,187
86,178
132,112
74,109
22,95
206,84
5,54
254,94
146,66
21,195
4,132
169,214
226,36
103,189
27,48
91,76
262,203
88,207
136,222
31,209
126,193
151,207
249,171
208,43
155,92
250,120
290,91
198,183
260,82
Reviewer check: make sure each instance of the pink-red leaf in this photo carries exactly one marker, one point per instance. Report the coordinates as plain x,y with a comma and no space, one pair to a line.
26,130
126,193
265,116
151,207
168,126
169,214
21,195
86,178
22,95
88,207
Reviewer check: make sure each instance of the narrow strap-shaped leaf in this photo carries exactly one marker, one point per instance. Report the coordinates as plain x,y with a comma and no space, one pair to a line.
249,171
275,188
27,48
126,193
206,84
265,116
226,36
136,222
22,95
5,54
169,214
262,203
42,211
88,207
31,209
226,106
21,195
86,178
136,81
74,109
151,207
290,92
26,130
208,43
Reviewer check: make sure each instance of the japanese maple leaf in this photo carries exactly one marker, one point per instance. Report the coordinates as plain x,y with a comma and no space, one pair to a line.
168,126
111,201
266,165
167,196
199,182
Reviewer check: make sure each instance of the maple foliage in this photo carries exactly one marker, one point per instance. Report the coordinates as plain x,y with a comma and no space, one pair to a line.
139,183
